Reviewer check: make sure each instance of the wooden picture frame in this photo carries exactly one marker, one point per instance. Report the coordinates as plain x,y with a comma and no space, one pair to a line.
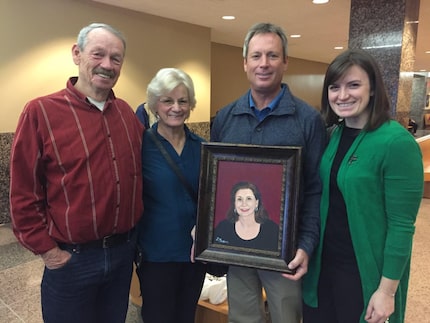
275,172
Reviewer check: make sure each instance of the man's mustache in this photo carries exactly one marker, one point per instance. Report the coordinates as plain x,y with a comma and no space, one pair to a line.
103,71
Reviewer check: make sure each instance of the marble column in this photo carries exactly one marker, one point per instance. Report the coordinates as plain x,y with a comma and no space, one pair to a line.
5,144
388,30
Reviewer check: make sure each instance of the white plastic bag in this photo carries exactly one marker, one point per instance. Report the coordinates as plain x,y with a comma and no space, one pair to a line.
214,289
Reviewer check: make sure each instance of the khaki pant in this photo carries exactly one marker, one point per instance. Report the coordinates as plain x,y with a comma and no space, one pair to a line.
245,299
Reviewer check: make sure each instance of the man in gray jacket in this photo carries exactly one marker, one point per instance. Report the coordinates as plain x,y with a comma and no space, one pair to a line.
268,114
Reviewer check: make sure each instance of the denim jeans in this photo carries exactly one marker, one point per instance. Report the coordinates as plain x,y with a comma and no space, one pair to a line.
92,287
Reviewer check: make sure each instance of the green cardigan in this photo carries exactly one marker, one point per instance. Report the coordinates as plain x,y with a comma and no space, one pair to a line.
381,179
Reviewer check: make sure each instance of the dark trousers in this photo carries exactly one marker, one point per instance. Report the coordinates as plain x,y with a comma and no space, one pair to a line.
93,287
170,291
340,297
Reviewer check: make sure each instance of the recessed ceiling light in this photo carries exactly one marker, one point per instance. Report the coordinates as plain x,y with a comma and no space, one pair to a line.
427,51
228,17
320,1
295,36
338,47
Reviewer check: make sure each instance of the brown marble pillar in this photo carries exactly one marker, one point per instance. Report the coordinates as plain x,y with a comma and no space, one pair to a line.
388,30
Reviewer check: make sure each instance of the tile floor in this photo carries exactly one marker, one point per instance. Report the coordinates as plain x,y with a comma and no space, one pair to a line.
21,271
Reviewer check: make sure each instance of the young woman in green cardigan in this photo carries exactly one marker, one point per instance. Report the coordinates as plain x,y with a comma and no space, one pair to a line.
372,179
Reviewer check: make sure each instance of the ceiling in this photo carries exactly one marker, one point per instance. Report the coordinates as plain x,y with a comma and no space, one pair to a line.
322,26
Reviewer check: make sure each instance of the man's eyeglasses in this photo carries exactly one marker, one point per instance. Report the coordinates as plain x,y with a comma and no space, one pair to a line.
170,102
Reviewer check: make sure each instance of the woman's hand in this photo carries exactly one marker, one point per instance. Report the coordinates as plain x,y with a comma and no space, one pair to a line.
381,306
193,236
382,302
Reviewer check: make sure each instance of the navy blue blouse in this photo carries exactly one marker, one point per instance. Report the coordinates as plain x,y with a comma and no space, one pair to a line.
169,212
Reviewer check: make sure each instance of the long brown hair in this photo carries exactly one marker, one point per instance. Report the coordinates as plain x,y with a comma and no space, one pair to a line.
261,214
379,103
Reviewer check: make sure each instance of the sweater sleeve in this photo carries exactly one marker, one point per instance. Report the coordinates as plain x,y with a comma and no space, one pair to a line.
403,185
309,214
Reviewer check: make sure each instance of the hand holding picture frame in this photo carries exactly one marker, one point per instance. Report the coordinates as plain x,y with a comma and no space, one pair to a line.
248,182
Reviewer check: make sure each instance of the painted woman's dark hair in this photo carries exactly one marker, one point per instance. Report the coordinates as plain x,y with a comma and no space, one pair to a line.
260,215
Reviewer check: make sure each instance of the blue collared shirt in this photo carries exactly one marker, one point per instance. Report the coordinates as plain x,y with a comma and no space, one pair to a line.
261,114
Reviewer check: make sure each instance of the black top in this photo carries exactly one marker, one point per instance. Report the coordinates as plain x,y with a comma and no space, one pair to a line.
338,247
267,238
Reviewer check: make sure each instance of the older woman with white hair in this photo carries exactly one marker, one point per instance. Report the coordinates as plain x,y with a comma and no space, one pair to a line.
170,281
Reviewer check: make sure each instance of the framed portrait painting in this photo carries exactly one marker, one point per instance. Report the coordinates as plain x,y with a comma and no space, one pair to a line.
248,202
